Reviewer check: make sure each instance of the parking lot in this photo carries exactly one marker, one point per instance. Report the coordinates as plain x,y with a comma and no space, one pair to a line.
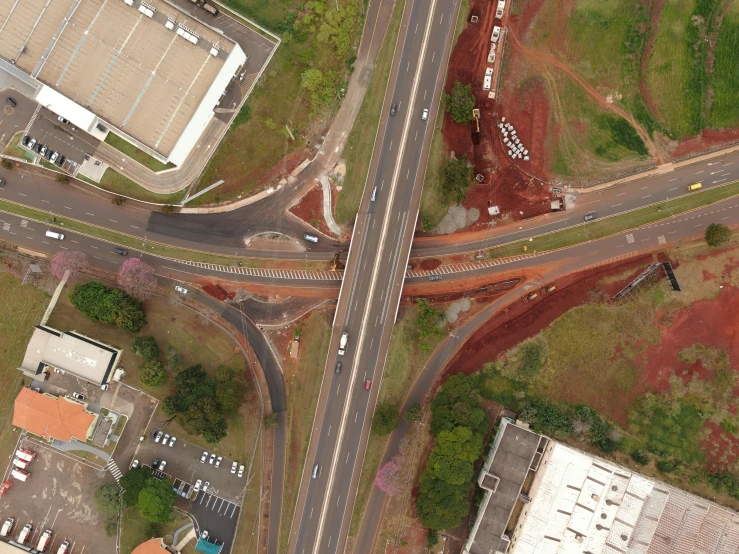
58,496
217,516
63,138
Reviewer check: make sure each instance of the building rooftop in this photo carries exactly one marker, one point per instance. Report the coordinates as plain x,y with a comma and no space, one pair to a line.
148,69
152,546
71,352
579,504
51,417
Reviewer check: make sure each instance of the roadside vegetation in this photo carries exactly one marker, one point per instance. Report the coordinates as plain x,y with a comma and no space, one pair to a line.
122,145
297,94
357,152
302,385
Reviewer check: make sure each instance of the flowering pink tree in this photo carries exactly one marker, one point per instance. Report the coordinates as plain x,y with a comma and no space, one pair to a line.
389,476
137,278
67,260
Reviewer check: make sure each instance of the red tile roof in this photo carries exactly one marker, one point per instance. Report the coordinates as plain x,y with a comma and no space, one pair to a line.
50,417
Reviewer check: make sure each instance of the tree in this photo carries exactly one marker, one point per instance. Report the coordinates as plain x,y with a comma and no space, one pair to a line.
7,164
109,499
460,102
413,413
389,477
427,321
113,306
156,500
137,278
133,482
321,85
338,27
455,177
717,234
385,419
229,395
145,347
153,374
67,260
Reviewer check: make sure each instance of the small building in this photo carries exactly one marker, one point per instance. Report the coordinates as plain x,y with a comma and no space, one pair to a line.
70,352
542,496
152,546
53,417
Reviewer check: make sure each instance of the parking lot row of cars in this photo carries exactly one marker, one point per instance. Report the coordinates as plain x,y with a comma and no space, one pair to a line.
44,541
32,144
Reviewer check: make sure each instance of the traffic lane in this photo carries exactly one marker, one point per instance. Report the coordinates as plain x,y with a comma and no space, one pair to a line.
217,516
14,119
619,199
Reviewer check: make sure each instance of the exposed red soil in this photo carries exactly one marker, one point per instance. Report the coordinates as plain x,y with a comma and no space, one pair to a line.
217,291
721,448
429,263
482,291
285,167
709,139
310,209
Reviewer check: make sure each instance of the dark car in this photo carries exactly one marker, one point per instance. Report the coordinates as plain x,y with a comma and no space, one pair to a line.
26,140
10,101
120,251
154,433
2,182
155,463
49,154
393,109
60,161
590,216
337,369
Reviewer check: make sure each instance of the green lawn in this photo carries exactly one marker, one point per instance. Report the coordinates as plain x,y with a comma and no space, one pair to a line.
611,225
724,105
22,308
122,145
258,141
302,386
13,148
358,149
116,183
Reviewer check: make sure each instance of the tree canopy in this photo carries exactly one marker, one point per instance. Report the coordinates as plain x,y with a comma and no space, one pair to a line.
109,305
460,102
145,347
153,374
385,419
133,482
717,234
156,500
137,278
456,175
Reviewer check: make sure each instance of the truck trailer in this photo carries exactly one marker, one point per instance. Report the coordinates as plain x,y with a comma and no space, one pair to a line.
343,342
7,527
25,533
44,541
20,463
20,474
25,455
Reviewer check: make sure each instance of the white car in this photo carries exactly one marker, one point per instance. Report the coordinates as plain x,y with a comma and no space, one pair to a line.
135,464
241,470
205,486
172,441
212,459
63,548
165,440
159,436
198,483
53,157
425,115
218,461
181,290
234,467
162,465
496,34
204,535
204,457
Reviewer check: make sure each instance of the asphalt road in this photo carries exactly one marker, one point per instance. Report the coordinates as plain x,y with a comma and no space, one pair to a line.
373,280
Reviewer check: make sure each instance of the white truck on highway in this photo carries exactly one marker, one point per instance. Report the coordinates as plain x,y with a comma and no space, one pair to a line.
343,342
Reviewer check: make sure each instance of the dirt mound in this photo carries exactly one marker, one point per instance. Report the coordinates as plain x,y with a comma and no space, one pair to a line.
429,263
310,209
217,291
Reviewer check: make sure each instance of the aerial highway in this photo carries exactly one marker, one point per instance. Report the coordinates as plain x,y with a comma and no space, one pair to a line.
373,279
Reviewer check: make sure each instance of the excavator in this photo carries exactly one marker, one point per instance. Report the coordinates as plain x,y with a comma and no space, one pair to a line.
336,265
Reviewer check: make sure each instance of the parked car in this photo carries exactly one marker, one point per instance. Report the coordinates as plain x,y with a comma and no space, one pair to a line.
367,384
106,386
233,467
159,436
42,149
162,465
57,370
172,441
204,534
154,433
78,396
181,290
165,440
60,161
31,143
212,459
2,182
134,464
241,470
204,457
155,463
218,461
205,486
53,157
65,121
10,101
25,140
496,34
198,484
49,154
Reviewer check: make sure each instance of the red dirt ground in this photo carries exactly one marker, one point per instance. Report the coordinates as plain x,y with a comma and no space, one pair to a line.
709,139
504,184
310,209
285,167
217,291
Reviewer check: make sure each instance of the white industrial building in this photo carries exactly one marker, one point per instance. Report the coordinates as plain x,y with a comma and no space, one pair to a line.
543,497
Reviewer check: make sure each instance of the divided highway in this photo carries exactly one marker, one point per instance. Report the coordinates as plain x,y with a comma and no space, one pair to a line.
373,280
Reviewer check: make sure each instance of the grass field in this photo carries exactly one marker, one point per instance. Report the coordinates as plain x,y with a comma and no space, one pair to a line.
609,226
134,153
405,360
358,149
258,138
136,529
434,202
116,183
302,386
14,150
724,105
22,308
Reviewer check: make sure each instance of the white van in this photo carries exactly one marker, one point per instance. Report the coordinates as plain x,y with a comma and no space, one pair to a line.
310,238
54,235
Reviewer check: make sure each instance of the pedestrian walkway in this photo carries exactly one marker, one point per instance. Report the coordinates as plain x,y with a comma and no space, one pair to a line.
113,468
272,273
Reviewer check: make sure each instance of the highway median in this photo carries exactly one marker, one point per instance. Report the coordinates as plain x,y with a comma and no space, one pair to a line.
612,225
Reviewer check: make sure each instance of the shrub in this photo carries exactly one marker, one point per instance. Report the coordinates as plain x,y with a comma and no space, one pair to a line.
667,466
456,176
460,102
153,374
62,179
7,164
108,305
385,419
167,209
641,457
145,347
413,413
119,200
717,234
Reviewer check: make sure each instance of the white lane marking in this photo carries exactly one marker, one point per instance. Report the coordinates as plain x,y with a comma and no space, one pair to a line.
672,189
619,194
699,172
88,213
113,220
616,205
22,194
68,207
675,179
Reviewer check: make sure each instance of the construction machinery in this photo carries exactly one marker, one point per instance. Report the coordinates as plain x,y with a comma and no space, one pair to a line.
476,115
337,265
